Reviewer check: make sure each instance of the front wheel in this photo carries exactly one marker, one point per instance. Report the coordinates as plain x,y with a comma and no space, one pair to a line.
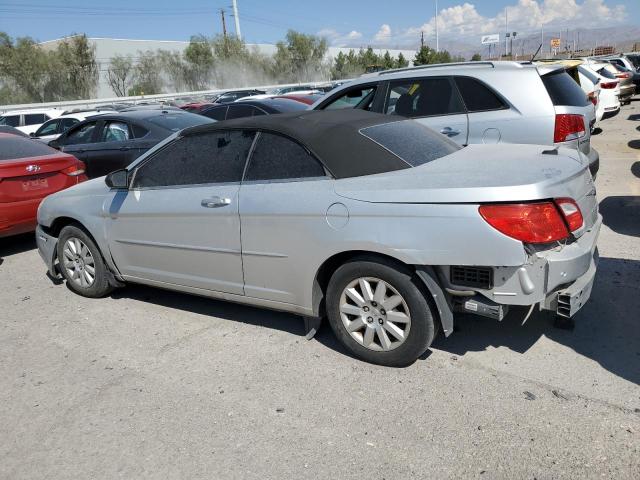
379,312
81,263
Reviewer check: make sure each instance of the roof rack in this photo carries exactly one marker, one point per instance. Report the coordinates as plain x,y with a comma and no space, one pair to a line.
436,65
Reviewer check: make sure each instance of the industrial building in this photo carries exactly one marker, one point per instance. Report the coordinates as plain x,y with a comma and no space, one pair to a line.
106,48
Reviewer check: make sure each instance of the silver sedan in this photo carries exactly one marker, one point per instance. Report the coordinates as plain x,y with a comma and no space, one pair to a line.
375,222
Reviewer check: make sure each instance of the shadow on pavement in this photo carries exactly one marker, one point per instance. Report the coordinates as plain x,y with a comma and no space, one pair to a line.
16,244
606,328
635,116
635,169
622,214
634,144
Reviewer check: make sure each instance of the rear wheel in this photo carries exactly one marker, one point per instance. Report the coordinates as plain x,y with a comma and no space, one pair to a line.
81,263
379,312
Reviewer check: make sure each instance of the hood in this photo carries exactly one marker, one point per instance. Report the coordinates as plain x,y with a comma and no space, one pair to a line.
478,173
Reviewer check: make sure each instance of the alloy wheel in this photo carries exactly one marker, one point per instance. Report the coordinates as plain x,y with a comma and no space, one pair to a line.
78,262
375,314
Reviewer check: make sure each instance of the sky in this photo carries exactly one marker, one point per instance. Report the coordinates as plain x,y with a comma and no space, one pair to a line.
352,23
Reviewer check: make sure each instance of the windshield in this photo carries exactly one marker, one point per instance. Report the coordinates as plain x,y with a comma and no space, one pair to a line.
13,147
178,121
411,141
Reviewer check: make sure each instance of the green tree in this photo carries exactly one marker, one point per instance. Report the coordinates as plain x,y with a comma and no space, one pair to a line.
148,79
76,60
476,57
198,63
402,62
300,57
388,61
427,55
120,74
25,70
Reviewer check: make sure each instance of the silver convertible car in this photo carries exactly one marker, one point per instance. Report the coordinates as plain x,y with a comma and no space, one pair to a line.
376,222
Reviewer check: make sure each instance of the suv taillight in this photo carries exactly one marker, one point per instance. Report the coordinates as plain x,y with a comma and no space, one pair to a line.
75,170
623,75
569,126
608,85
593,96
539,222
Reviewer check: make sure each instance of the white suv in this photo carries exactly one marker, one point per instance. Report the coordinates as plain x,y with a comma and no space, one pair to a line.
29,121
480,102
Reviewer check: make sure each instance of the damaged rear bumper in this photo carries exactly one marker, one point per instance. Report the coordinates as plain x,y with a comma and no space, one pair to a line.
559,279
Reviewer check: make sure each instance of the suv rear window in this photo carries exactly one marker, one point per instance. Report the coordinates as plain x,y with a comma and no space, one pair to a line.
411,141
563,90
478,97
13,147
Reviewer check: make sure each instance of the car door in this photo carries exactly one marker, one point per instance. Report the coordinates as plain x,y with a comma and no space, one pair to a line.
284,202
491,120
432,101
78,141
112,149
178,223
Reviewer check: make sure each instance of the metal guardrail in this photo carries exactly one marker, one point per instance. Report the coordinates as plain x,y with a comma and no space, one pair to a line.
65,105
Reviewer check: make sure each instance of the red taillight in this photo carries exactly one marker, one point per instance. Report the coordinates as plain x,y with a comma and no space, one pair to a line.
593,96
571,212
541,222
608,85
623,75
569,126
75,170
527,222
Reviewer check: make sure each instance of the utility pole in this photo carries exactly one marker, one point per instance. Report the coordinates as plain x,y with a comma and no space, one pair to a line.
237,19
437,38
506,29
422,39
224,25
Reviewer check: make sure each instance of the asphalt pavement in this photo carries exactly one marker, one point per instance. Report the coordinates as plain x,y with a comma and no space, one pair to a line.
154,384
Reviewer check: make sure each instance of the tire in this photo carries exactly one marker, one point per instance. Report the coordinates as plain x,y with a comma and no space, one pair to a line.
371,322
81,263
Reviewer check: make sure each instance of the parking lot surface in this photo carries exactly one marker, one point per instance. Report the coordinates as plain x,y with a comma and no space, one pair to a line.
155,384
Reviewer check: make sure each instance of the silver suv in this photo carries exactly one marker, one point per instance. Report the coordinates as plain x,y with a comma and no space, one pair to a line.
480,102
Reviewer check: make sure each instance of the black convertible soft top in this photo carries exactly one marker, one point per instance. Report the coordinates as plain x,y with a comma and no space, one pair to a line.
331,135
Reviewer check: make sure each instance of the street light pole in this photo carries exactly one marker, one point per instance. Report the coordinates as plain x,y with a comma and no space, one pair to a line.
437,39
237,19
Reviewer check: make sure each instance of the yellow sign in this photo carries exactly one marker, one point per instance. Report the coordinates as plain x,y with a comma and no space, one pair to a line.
555,43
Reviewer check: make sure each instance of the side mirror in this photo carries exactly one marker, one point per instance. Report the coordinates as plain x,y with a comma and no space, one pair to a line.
32,134
55,144
118,179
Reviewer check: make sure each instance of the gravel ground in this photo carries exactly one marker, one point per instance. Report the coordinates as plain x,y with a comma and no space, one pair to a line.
154,384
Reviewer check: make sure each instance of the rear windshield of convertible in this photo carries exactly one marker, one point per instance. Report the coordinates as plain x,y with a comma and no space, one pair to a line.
412,142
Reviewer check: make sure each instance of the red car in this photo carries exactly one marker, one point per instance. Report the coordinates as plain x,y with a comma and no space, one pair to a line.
29,171
196,107
309,99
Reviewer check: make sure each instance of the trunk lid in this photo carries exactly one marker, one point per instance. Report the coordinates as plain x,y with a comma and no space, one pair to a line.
35,177
484,174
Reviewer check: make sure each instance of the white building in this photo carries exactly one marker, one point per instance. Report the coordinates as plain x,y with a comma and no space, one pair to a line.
106,48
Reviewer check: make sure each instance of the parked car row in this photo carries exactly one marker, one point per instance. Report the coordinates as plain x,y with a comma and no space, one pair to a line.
357,207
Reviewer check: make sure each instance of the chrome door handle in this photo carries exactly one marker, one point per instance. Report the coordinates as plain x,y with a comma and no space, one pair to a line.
449,132
215,202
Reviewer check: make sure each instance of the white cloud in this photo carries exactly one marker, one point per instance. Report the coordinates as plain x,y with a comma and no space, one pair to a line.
525,16
338,39
383,35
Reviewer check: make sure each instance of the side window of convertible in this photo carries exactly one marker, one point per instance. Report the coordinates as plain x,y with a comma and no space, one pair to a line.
212,157
279,158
